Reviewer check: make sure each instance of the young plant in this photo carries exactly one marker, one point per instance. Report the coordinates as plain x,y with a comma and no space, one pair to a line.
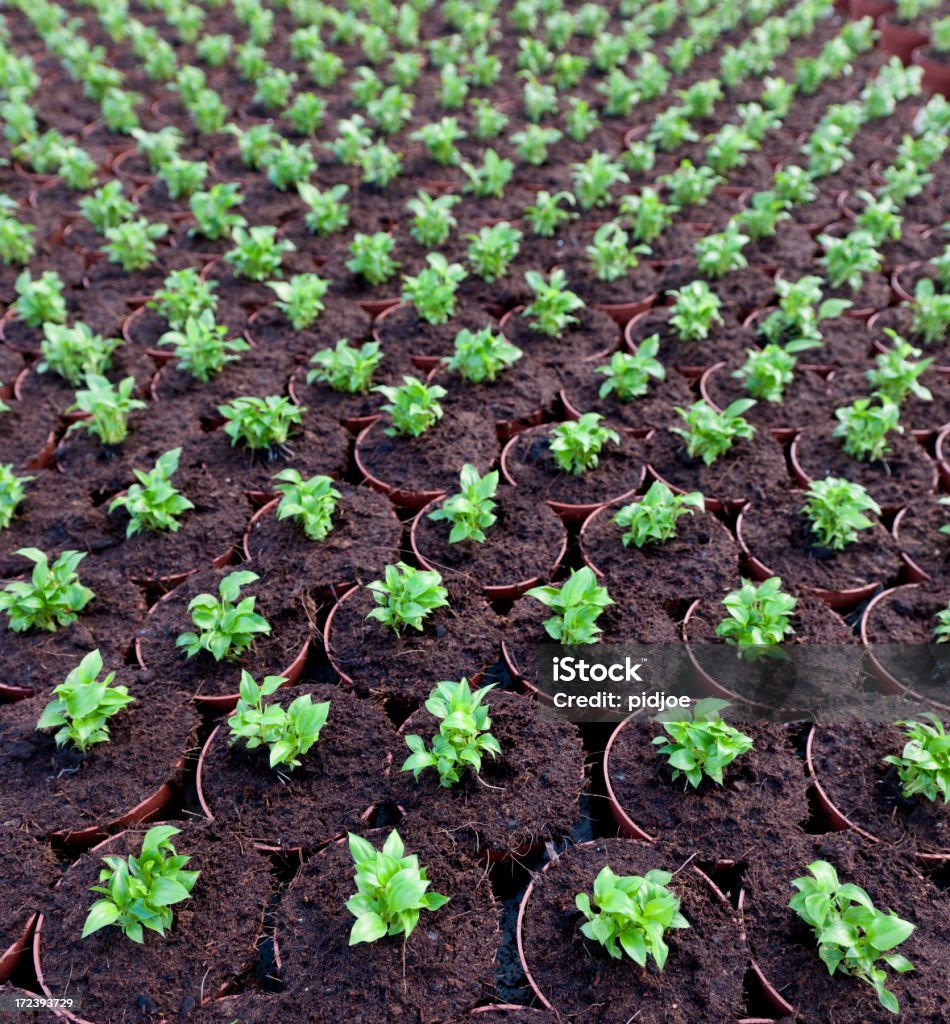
203,348
107,207
848,259
472,511
226,625
432,219
759,615
390,890
139,892
576,444
492,249
327,212
310,502
153,503
865,425
801,310
183,178
83,704
634,913
73,352
930,312
653,519
413,407
835,511
897,372
695,309
480,356
721,253
263,424
212,211
709,434
287,733
629,375
289,165
576,605
554,304
594,179
649,216
257,253
699,743
405,597
12,490
439,139
488,180
371,257
53,597
463,735
108,408
767,372
40,300
131,244
924,764
610,253
185,294
16,241
432,290
545,215
852,934
300,298
346,368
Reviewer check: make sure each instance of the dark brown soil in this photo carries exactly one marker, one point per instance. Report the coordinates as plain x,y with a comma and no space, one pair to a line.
763,790
636,286
785,947
738,475
726,342
28,875
339,779
524,542
459,640
524,797
778,535
531,466
874,293
58,788
210,943
278,601
431,461
916,414
403,333
849,763
364,539
918,534
445,968
594,335
904,474
702,980
702,560
25,433
246,1008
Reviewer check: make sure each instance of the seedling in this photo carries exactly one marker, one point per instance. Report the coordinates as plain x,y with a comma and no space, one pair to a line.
471,511
628,376
649,215
40,300
610,253
554,305
83,704
413,407
12,490
74,352
107,207
463,734
16,241
108,408
848,259
480,356
257,253
212,211
689,185
897,371
835,511
532,143
439,139
300,298
432,219
153,503
576,444
576,604
53,597
759,615
346,368
131,244
183,178
432,290
634,913
139,892
546,214
289,165
371,257
327,212
653,519
801,310
594,179
405,597
492,250
942,631
185,294
924,763
699,743
864,427
767,372
710,434
390,890
263,424
720,254
852,934
287,733
203,348
490,178
695,309
310,502
226,626
930,311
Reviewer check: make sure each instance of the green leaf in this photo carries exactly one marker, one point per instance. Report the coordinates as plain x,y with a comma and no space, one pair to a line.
367,928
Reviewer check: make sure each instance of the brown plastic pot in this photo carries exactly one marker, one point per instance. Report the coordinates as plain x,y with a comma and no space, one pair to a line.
781,434
943,466
400,496
936,72
899,40
354,424
838,600
625,823
898,287
622,312
872,9
494,592
10,959
779,1003
509,1008
573,413
691,372
376,307
912,571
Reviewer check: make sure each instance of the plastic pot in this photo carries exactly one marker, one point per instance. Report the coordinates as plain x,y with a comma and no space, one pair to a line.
507,1008
899,275
622,312
781,434
625,823
936,72
400,496
872,9
943,466
11,957
376,307
354,424
900,40
494,592
912,571
779,1003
